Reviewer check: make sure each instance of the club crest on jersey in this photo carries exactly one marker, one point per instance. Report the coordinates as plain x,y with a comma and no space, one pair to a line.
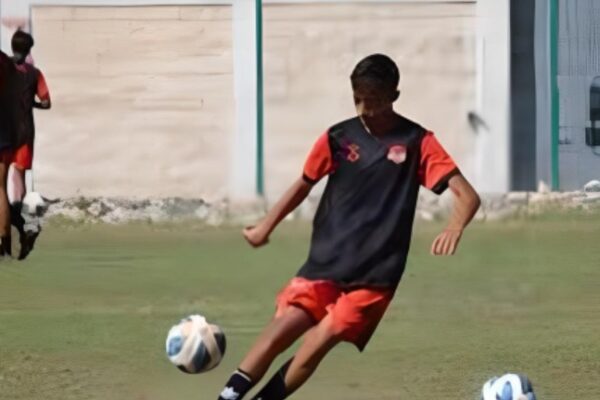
352,154
397,154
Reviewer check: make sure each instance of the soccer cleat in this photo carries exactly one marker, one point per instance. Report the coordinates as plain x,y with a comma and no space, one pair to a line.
6,246
27,242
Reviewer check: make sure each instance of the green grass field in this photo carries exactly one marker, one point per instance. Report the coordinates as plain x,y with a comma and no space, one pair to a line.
86,316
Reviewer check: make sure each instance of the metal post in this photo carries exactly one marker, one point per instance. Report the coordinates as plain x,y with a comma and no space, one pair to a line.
554,92
260,179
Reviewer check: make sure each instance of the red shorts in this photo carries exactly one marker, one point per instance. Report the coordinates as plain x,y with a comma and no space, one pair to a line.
355,313
23,157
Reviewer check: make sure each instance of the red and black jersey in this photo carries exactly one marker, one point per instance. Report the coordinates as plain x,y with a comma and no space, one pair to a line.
8,103
363,225
31,84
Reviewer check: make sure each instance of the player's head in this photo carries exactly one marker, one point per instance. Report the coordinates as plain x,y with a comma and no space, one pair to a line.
375,82
22,42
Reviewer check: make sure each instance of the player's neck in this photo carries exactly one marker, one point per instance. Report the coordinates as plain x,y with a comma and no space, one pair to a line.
382,125
19,60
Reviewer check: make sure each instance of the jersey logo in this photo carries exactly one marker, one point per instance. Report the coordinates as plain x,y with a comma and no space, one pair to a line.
352,152
397,154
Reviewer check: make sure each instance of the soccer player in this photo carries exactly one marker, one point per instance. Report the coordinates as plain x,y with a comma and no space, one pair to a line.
34,93
375,164
8,127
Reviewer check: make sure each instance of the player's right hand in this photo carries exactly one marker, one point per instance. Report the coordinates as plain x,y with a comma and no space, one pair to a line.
256,236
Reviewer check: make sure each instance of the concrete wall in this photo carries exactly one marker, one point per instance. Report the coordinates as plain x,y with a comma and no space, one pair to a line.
309,53
492,148
143,100
144,96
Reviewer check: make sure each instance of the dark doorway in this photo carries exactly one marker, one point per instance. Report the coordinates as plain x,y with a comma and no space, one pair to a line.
522,86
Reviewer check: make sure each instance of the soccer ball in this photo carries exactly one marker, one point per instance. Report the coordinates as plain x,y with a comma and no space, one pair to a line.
194,345
34,204
508,387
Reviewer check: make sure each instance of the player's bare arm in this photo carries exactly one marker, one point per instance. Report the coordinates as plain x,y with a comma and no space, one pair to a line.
466,204
258,235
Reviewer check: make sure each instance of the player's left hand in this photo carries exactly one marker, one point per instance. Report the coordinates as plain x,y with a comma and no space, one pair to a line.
445,243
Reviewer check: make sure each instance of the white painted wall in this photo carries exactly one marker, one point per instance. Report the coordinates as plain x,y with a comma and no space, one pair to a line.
290,89
143,101
243,179
310,51
493,144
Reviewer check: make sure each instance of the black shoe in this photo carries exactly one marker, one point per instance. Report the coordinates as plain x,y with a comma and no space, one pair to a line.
27,242
6,246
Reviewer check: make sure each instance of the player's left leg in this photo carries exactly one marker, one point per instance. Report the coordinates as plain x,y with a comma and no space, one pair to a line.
353,318
5,246
283,330
16,193
30,229
300,305
318,341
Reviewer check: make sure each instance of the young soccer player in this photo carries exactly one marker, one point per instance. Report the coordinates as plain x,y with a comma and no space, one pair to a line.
8,127
375,164
32,85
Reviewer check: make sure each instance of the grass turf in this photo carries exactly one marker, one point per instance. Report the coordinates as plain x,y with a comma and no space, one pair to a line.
86,316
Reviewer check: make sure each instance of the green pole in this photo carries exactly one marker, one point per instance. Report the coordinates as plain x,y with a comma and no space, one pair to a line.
260,178
554,92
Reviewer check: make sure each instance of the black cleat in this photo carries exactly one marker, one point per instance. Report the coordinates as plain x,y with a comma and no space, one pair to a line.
27,242
6,246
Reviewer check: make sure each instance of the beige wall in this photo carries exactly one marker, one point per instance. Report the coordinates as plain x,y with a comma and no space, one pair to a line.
143,100
144,96
310,51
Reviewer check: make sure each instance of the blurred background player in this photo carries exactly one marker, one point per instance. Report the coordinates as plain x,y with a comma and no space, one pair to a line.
8,127
376,163
33,93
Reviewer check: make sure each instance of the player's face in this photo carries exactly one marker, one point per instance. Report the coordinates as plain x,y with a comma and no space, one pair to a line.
372,102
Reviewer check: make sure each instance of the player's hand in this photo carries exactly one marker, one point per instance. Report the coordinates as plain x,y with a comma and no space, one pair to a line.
256,236
445,243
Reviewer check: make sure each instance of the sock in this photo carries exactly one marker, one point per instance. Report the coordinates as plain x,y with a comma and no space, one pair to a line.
16,218
275,388
237,386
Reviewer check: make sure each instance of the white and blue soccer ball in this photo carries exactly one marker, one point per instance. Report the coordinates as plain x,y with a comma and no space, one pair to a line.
34,204
194,345
508,387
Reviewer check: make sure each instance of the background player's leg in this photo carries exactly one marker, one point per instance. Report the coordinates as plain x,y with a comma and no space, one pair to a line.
4,211
16,192
29,228
317,343
281,332
16,183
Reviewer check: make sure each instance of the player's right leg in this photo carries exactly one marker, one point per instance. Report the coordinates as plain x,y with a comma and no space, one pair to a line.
22,161
285,328
280,334
5,247
300,305
352,318
16,192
